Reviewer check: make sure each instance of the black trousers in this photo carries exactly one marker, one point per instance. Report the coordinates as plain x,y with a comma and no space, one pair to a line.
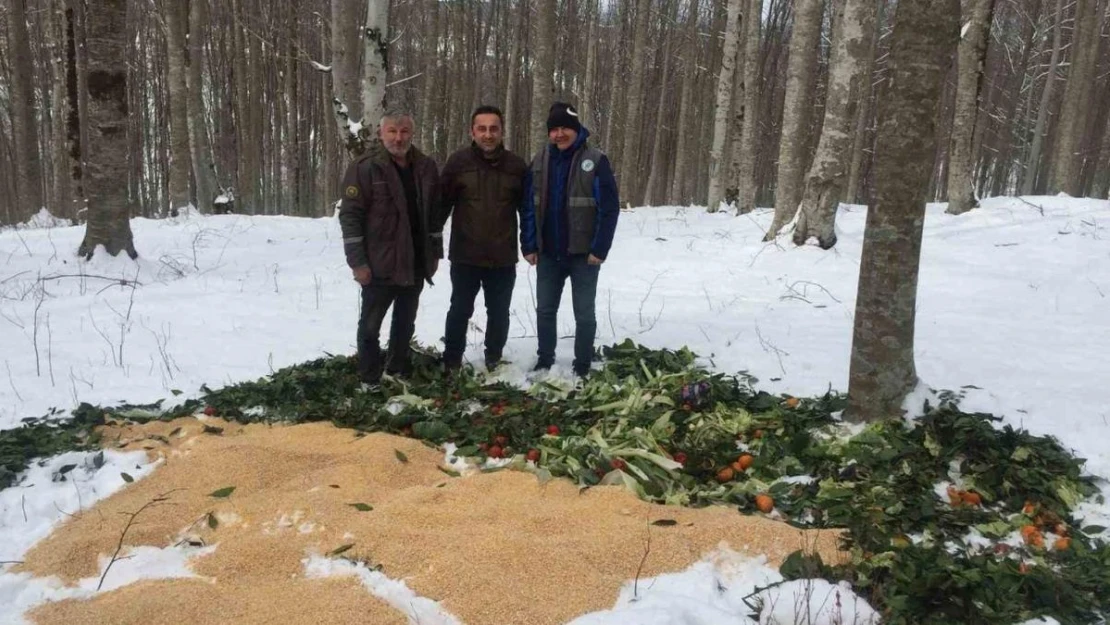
376,300
496,284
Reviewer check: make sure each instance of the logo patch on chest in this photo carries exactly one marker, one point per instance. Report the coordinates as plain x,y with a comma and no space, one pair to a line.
587,165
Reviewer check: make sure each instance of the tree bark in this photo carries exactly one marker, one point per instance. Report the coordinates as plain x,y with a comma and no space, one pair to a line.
346,24
543,82
972,56
375,68
109,213
800,77
1066,167
61,164
28,165
1033,163
828,174
631,182
178,91
653,193
586,106
717,164
748,140
863,114
686,105
882,370
200,148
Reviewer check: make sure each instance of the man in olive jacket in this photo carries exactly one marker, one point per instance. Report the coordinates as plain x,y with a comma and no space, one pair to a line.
482,191
392,241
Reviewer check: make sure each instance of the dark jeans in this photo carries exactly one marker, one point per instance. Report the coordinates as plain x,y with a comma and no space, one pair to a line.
376,300
496,284
551,275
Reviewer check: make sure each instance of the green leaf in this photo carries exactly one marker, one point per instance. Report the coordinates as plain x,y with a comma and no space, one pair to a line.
1021,454
222,493
213,523
66,469
1094,529
211,429
401,456
341,549
175,392
664,522
450,472
361,507
127,478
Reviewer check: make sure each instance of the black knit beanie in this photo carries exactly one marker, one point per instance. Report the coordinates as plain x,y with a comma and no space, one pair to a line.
563,115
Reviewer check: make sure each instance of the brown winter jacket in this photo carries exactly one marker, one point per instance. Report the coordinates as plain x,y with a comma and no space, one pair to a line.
483,193
374,216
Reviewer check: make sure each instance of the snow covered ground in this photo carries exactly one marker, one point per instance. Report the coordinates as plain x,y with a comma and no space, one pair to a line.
1012,304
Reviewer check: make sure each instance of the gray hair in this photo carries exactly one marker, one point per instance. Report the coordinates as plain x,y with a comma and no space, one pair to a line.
397,116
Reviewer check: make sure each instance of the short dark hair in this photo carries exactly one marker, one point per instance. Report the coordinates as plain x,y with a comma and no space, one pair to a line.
487,109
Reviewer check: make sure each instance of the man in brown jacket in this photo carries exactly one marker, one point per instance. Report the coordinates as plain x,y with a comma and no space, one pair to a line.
392,240
482,192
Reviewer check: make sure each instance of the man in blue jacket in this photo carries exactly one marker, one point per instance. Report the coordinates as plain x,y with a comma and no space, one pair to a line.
569,217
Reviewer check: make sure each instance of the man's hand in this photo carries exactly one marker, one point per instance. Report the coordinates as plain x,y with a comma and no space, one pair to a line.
593,260
362,275
532,258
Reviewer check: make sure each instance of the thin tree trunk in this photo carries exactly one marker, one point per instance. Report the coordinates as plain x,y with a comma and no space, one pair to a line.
61,165
109,215
863,113
717,164
204,172
1066,166
178,92
346,24
28,168
685,107
800,78
629,165
748,140
375,65
653,189
586,106
543,82
829,173
1032,164
972,56
882,368
513,82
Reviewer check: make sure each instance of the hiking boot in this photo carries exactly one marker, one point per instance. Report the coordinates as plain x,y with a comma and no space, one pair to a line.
543,364
581,371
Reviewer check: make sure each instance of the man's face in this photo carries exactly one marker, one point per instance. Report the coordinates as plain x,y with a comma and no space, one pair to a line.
486,131
563,138
396,136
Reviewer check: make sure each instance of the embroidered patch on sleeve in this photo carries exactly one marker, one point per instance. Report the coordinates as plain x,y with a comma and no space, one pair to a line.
352,192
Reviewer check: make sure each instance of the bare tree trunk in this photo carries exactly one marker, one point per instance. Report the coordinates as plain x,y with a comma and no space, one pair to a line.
972,56
1032,164
178,92
629,165
586,106
431,62
653,192
882,369
109,207
863,113
346,24
829,172
685,108
375,69
717,164
61,163
513,82
28,167
543,81
800,76
204,171
747,141
1066,165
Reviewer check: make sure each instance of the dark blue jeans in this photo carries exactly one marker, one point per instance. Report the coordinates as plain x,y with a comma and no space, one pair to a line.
496,284
376,301
551,275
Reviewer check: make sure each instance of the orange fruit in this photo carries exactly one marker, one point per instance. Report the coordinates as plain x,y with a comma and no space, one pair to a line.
1061,529
1061,544
1032,536
792,402
764,503
954,497
745,461
1026,530
1028,509
725,475
971,498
